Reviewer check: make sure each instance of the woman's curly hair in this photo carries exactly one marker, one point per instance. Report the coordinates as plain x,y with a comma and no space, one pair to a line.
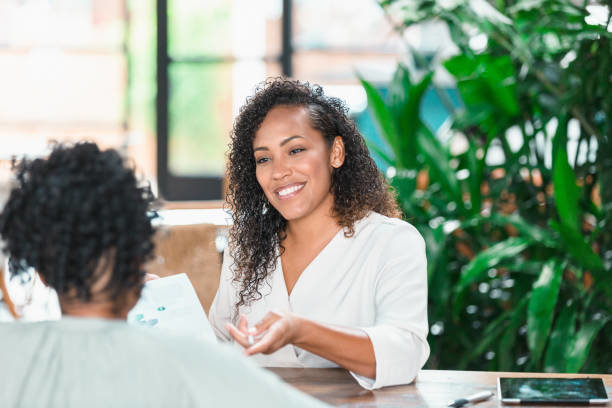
358,186
75,213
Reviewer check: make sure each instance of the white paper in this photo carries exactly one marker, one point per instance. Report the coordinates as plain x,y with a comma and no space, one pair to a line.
171,304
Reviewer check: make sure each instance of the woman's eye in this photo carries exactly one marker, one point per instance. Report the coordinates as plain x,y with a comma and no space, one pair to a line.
261,160
296,150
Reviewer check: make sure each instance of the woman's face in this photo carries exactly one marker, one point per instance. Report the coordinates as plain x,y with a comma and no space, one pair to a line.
294,163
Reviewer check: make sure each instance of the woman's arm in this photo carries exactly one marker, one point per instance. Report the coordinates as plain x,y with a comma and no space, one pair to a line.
348,347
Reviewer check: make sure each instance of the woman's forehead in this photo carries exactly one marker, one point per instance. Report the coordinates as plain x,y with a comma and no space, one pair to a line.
287,113
283,122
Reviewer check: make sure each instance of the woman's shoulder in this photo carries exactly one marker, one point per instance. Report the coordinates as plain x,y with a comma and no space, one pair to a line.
382,224
389,231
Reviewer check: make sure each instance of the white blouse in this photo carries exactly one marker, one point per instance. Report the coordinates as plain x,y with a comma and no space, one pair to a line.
375,280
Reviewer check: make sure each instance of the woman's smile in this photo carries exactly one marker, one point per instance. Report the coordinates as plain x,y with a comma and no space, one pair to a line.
289,191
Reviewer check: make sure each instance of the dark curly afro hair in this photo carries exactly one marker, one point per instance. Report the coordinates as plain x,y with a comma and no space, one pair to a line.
358,186
72,211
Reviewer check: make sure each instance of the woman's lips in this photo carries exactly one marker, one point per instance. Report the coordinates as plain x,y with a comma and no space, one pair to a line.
289,191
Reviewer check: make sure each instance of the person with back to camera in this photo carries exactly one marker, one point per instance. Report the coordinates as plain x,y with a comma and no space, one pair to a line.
319,263
82,221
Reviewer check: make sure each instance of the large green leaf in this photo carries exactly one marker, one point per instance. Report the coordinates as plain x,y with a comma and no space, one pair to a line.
400,121
475,180
508,339
462,66
500,76
405,183
560,341
409,122
541,308
399,88
383,116
541,235
581,251
491,257
581,343
567,197
604,160
380,153
435,240
567,193
487,85
491,334
439,279
437,159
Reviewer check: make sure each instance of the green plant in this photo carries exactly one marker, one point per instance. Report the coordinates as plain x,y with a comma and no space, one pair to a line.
520,254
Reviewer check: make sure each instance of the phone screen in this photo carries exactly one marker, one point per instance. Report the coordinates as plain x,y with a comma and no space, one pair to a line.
577,390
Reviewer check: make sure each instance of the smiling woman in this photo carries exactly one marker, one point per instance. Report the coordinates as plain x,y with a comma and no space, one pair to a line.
345,278
294,164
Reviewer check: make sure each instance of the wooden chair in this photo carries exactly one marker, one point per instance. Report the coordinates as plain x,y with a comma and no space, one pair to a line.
190,249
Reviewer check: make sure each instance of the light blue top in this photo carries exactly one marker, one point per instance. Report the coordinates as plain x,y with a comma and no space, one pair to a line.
82,362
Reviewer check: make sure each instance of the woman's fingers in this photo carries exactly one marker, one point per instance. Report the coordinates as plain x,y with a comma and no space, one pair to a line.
268,335
269,343
264,324
239,336
243,324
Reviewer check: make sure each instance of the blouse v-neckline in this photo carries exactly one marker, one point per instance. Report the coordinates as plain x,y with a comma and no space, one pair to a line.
304,271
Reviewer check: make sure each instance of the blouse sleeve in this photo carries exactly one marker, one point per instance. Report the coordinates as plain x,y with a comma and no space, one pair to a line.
399,335
221,310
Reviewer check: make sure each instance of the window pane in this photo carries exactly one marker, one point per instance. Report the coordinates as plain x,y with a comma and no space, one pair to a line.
342,24
200,118
240,28
142,87
64,77
198,27
54,87
324,67
94,24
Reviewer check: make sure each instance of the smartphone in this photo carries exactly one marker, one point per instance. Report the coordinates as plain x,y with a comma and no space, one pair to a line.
515,390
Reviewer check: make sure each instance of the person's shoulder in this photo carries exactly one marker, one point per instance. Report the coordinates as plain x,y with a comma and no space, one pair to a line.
13,330
199,371
210,368
382,228
125,339
169,346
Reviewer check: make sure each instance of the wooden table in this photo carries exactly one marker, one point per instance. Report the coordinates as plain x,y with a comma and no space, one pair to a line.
432,388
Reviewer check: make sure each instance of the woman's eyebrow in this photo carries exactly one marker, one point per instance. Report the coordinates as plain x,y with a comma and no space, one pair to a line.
290,138
284,142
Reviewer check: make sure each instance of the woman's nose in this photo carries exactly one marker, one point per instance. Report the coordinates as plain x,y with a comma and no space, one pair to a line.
280,169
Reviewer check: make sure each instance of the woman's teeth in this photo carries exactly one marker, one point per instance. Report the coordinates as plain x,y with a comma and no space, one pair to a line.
289,190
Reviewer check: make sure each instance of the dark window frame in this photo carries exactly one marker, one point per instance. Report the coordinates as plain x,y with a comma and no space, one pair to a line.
187,188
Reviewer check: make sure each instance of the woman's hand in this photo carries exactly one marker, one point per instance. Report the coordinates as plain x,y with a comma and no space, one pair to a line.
150,276
349,347
274,331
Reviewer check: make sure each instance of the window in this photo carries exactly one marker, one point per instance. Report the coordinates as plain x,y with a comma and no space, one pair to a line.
212,54
64,76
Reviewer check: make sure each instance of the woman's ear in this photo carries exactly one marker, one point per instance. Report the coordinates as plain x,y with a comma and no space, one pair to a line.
336,157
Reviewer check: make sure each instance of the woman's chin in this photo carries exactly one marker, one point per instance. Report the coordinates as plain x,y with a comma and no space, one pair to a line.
292,214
